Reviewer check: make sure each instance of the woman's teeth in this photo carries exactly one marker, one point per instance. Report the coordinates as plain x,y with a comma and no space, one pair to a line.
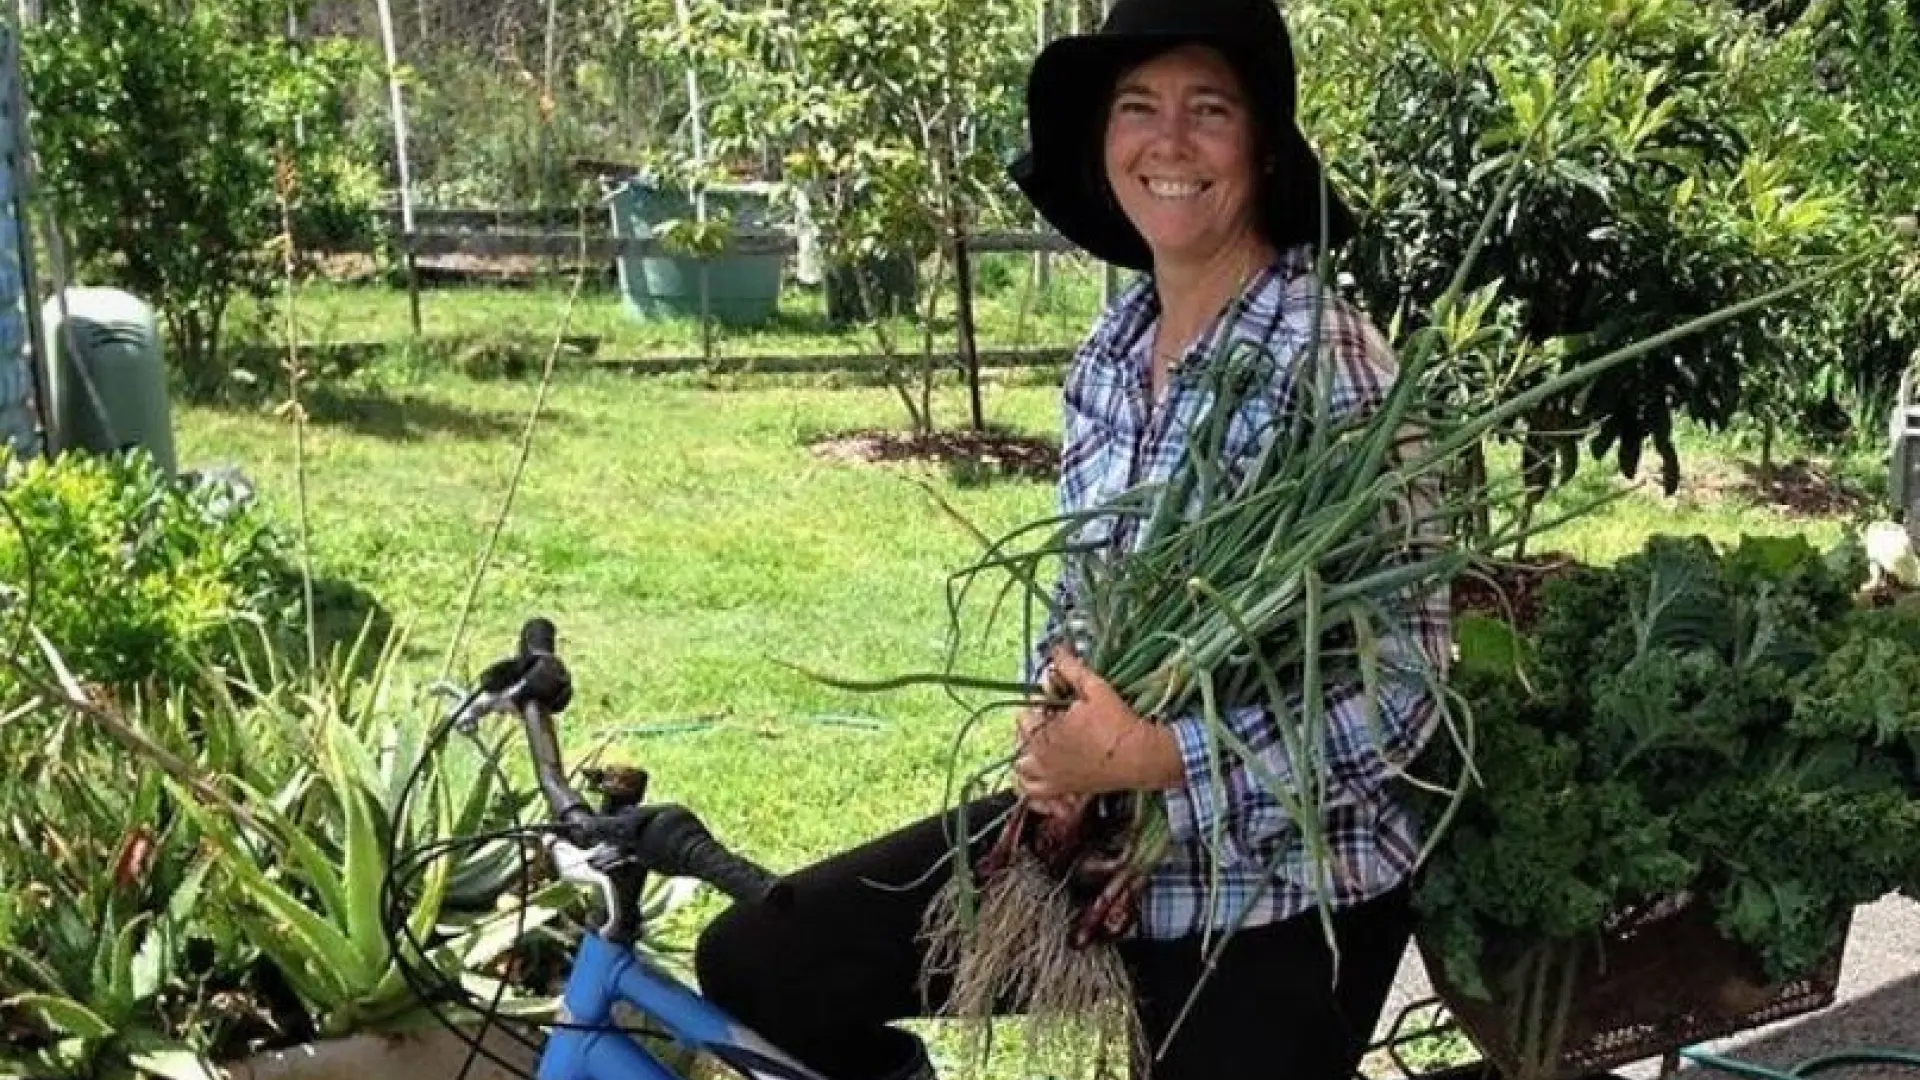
1175,189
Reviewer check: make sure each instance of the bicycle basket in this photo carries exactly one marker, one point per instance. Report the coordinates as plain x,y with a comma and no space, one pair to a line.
1658,980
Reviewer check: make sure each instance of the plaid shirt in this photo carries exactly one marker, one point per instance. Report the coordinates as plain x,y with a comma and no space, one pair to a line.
1113,442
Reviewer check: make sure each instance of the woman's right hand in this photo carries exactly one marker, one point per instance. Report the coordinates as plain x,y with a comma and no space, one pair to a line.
1061,807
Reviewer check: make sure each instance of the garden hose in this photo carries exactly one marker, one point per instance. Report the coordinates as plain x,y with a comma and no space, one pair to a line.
1868,1055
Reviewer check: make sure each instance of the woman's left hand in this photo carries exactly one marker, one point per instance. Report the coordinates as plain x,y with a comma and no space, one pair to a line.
1096,743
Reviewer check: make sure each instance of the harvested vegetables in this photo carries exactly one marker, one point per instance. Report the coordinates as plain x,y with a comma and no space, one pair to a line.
1728,725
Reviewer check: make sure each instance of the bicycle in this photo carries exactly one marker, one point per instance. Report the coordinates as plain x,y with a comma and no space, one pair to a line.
613,850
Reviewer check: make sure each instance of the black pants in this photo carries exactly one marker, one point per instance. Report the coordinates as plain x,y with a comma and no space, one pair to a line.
823,978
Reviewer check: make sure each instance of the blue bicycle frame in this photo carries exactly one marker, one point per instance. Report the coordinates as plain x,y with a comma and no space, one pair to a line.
604,974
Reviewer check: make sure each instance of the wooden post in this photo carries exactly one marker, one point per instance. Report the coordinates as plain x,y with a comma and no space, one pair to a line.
700,192
548,106
400,157
293,46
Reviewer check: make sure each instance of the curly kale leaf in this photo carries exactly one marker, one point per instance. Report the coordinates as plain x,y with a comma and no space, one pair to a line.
1791,849
1540,853
1868,689
1792,566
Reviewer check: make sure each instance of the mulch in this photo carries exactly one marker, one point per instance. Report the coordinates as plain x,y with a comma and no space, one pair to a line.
1511,591
998,453
1798,489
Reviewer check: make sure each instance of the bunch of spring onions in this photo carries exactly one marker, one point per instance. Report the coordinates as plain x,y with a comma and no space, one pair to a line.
1255,582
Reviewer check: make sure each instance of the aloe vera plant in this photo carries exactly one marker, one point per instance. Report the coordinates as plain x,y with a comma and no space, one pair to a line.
100,898
232,900
306,886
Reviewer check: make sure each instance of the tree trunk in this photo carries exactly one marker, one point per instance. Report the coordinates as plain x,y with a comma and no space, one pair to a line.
1473,475
969,354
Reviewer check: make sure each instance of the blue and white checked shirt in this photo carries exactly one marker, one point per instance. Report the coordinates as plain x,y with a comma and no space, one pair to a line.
1114,442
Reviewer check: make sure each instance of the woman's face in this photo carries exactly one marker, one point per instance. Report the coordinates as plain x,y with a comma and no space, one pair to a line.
1179,154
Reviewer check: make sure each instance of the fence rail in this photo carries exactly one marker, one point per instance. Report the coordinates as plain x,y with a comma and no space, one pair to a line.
508,233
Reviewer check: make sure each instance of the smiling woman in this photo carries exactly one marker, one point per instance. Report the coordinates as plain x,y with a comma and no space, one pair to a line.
1165,143
1179,158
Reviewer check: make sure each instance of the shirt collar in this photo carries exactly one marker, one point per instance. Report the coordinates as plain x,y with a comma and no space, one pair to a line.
1252,315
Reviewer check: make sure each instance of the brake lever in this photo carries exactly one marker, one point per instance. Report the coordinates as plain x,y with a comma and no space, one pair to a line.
590,866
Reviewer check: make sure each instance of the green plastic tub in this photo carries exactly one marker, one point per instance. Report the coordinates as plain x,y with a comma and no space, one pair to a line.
743,290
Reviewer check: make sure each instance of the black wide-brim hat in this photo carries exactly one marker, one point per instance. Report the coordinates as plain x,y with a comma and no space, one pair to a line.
1068,94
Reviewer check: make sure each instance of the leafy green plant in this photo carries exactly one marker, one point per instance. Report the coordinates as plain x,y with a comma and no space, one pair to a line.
1673,182
147,924
305,885
887,118
1716,723
102,898
161,127
137,578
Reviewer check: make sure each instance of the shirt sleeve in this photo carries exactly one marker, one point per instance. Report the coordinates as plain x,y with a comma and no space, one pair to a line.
1226,801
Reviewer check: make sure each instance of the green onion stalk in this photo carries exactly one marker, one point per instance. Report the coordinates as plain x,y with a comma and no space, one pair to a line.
1260,582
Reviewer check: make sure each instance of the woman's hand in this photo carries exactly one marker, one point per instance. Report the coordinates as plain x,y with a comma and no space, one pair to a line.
1096,743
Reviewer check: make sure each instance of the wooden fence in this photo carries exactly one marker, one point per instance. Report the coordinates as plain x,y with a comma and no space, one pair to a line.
569,233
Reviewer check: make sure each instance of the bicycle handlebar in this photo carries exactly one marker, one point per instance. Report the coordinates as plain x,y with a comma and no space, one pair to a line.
666,839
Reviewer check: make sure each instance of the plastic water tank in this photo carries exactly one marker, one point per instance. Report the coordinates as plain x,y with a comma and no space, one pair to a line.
111,339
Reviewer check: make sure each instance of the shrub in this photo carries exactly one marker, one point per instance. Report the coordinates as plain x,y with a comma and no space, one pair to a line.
1673,176
160,128
133,575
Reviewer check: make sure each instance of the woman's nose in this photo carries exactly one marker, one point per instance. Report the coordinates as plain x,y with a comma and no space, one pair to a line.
1173,130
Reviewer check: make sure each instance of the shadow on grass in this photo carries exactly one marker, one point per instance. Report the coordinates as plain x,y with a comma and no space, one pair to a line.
342,612
407,417
394,415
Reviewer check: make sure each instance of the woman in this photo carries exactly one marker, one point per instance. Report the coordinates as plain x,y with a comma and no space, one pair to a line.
1165,143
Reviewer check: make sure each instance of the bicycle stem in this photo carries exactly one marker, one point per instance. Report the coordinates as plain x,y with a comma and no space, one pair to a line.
567,804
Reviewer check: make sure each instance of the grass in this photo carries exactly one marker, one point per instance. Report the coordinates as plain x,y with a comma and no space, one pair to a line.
684,539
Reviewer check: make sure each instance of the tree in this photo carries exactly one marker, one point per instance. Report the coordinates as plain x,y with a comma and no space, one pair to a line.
161,128
889,119
1661,181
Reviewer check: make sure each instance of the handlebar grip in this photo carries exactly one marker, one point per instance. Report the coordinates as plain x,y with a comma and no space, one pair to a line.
537,637
677,843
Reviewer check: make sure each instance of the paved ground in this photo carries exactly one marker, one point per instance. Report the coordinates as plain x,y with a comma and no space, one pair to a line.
1878,1004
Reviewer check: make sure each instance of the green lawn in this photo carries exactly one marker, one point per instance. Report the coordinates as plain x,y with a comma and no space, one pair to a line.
684,539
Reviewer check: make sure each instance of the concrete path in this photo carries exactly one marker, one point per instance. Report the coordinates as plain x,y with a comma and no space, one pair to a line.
1878,1004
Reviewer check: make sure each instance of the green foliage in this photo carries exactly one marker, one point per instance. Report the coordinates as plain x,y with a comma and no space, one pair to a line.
1721,721
882,112
102,888
890,119
162,130
141,921
305,889
1672,177
136,577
